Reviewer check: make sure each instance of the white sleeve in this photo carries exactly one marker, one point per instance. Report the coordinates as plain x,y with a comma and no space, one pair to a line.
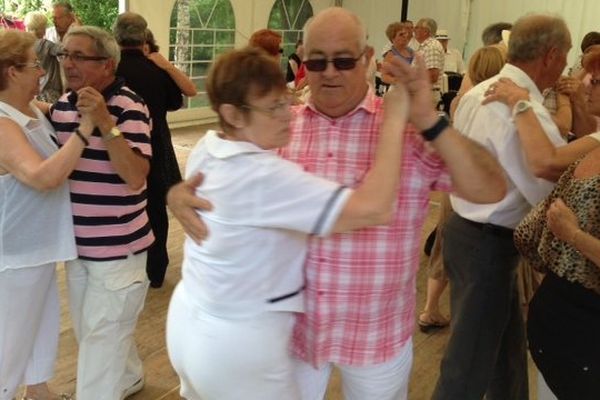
291,198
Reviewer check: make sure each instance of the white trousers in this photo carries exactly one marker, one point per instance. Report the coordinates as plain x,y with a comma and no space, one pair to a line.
387,381
229,359
29,327
106,298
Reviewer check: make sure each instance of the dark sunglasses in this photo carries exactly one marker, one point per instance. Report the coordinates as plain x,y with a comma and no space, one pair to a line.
340,63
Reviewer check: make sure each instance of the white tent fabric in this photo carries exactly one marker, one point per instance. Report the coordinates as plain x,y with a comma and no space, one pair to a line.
466,19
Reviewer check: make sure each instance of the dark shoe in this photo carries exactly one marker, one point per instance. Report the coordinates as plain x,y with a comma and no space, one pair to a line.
156,285
429,243
428,323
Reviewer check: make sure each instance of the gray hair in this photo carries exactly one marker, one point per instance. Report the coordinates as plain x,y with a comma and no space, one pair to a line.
104,43
37,22
130,29
533,35
492,34
336,12
428,23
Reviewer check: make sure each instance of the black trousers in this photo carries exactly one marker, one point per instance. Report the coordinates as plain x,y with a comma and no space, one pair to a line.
486,352
158,257
563,327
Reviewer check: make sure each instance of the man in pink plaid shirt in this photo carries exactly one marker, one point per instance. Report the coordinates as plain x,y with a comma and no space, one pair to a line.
360,287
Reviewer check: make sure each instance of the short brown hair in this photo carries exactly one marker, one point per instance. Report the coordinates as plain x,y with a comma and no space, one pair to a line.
267,40
13,50
392,29
237,74
485,63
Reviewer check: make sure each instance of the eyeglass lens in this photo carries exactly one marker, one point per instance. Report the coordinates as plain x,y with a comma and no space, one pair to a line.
340,63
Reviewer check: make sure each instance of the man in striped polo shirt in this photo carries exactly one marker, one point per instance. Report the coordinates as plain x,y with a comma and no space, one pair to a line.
107,283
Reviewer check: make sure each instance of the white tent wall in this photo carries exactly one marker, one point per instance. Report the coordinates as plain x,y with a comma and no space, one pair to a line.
464,20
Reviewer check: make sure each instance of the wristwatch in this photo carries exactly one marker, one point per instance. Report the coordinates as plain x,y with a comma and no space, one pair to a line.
433,132
113,133
520,107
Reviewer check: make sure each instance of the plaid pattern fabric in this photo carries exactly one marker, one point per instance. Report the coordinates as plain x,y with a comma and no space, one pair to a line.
433,56
360,287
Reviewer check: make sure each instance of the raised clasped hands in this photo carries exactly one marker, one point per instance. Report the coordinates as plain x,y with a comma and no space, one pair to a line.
416,81
91,103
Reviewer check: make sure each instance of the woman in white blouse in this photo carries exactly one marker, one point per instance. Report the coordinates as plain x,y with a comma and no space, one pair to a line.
36,228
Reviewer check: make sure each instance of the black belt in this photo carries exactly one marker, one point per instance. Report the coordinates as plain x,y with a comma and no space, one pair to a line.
286,296
493,229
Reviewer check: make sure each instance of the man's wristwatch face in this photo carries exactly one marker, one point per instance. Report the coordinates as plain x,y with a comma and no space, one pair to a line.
113,133
521,106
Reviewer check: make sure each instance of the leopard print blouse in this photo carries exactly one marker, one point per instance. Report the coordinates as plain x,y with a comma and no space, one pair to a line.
546,252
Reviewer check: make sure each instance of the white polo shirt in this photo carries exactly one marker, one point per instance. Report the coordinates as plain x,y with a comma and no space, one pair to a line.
264,208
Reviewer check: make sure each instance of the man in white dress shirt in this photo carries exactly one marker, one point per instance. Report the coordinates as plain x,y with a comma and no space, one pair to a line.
453,61
486,353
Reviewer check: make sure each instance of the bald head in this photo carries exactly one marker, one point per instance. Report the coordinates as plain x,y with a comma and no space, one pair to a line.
335,16
533,35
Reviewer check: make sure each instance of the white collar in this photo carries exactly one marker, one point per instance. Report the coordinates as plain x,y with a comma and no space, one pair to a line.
20,118
518,76
223,148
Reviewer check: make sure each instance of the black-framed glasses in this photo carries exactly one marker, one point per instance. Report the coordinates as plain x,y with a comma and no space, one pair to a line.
278,110
340,63
35,64
78,57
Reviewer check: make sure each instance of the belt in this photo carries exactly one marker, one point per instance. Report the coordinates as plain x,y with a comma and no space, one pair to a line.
493,229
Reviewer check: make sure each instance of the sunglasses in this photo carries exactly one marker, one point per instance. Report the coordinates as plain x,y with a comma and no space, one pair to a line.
339,63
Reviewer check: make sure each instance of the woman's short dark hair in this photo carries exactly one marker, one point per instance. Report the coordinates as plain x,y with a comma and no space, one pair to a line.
238,74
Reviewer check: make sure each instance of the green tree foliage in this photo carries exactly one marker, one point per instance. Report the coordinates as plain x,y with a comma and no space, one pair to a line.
100,13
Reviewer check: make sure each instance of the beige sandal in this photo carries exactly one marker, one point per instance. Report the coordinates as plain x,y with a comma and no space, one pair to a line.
427,322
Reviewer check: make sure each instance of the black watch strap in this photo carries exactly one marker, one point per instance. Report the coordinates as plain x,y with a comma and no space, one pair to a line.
432,133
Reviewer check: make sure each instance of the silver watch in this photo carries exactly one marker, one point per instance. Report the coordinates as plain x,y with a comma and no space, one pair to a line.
520,107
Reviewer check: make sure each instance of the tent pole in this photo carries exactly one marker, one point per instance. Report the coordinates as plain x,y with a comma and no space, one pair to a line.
404,13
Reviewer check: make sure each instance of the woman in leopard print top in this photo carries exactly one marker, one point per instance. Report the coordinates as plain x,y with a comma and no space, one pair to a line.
564,315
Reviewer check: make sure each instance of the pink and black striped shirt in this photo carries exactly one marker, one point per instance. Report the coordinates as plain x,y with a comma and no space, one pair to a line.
110,218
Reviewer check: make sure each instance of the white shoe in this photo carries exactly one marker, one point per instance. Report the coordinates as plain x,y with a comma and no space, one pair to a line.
133,389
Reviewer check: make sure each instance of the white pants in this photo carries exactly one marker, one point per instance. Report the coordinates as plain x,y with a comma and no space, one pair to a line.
229,359
106,299
29,327
387,381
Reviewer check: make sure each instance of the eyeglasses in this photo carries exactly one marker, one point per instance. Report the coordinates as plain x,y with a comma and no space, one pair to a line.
35,65
278,110
340,63
77,58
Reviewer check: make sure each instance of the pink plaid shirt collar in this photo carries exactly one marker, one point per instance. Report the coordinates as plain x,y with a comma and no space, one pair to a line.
368,104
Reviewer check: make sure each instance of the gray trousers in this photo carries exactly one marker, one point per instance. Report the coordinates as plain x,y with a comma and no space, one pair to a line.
486,353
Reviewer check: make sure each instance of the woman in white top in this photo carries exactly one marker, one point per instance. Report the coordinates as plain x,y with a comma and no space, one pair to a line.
36,228
231,316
